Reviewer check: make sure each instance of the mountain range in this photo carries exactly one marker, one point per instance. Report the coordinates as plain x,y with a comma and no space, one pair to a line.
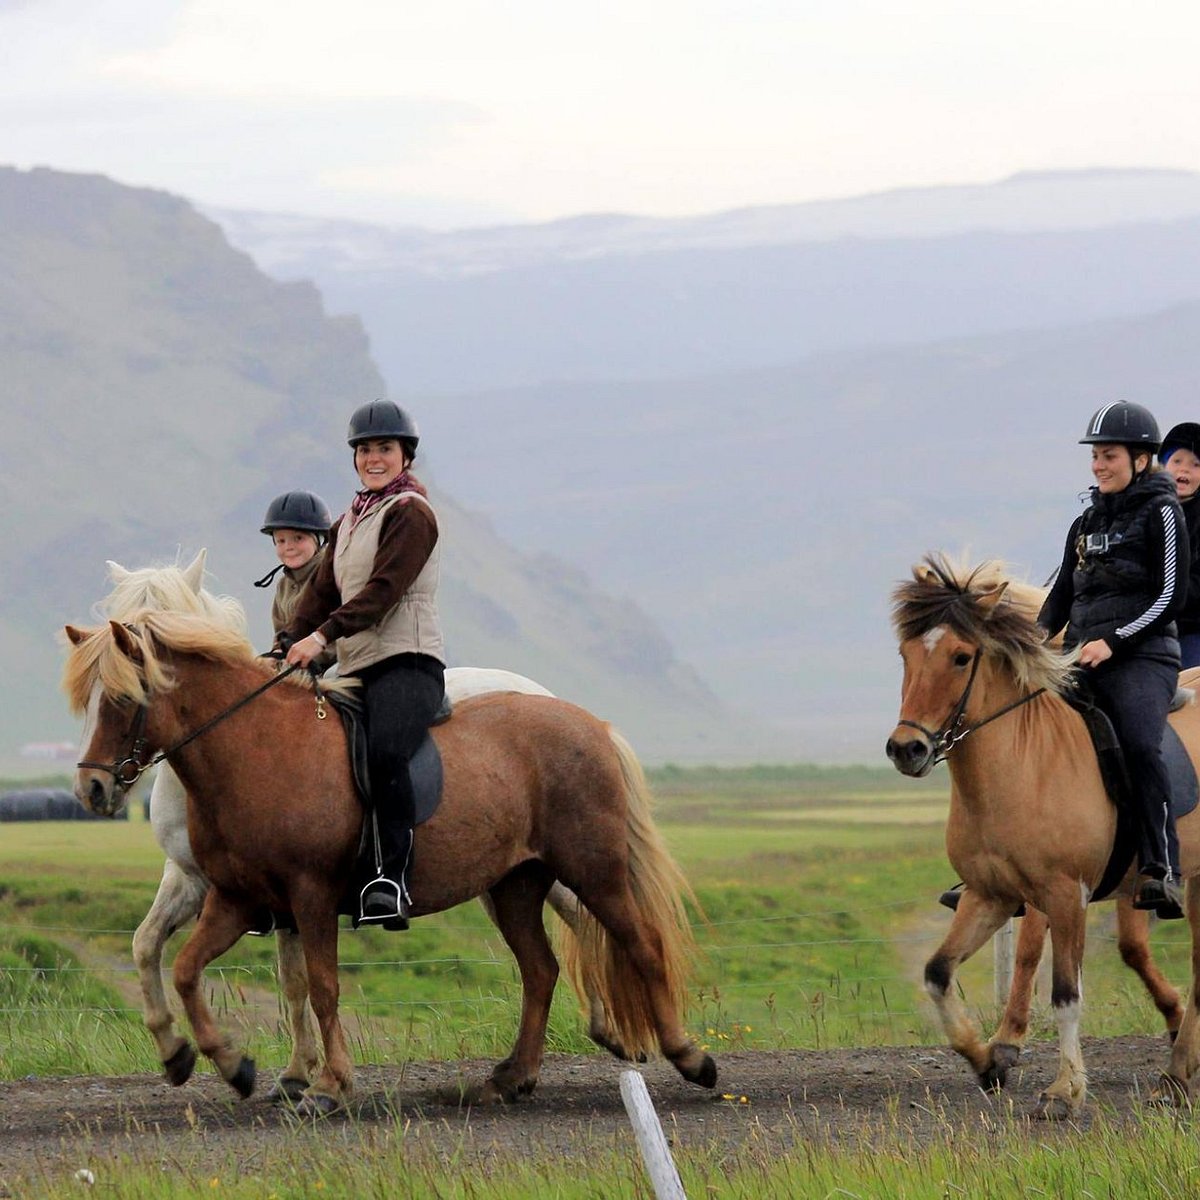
158,389
756,422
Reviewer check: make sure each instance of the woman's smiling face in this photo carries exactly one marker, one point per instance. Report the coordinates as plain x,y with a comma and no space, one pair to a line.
1112,467
378,461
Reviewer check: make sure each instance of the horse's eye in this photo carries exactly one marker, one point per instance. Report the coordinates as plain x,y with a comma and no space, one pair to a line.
962,659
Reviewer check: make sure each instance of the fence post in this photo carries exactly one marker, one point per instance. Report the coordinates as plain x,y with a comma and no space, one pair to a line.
652,1142
1002,949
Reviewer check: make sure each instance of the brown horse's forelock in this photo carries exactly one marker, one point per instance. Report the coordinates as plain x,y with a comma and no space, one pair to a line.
949,597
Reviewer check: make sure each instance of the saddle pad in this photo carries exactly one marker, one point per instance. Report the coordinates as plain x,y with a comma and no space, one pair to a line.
1185,790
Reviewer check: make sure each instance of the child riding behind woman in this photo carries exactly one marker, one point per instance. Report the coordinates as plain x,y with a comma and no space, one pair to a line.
298,524
1180,455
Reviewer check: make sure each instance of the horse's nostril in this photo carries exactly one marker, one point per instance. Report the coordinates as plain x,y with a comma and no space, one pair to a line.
96,792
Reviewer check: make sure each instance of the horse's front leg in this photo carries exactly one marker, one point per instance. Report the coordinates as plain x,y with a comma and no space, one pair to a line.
975,920
316,917
180,897
1185,1054
293,983
1067,913
221,924
1004,1050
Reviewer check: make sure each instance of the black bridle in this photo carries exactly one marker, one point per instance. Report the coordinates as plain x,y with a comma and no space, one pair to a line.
951,731
128,770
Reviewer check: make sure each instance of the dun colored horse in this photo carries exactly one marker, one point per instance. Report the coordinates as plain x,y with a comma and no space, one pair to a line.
1029,817
536,790
183,886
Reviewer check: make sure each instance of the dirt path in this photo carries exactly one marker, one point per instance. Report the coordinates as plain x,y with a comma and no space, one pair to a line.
68,1123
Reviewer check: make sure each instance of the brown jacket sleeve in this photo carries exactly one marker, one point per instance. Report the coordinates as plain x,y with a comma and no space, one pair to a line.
407,537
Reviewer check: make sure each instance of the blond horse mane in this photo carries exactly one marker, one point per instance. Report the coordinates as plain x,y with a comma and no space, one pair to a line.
945,592
168,588
97,657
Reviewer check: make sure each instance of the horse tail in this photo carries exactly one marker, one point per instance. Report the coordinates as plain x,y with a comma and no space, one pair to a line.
600,968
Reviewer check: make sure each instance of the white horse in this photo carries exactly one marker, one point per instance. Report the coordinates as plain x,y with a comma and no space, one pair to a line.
184,886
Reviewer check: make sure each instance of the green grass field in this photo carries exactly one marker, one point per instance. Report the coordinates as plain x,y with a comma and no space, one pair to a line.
819,890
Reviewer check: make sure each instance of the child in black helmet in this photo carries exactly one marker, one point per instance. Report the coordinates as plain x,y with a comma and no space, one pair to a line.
1122,581
1180,455
298,524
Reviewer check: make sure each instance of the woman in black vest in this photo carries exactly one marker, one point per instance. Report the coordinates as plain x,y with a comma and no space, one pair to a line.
1122,581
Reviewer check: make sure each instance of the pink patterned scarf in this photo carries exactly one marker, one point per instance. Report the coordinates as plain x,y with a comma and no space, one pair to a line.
365,499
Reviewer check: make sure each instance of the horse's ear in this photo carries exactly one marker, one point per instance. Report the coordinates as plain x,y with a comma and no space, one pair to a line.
924,573
193,573
76,636
126,642
116,572
988,600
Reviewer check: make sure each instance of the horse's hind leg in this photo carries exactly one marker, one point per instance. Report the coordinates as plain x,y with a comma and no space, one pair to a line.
645,992
179,898
1004,1050
1133,940
516,902
293,983
1185,1054
600,1029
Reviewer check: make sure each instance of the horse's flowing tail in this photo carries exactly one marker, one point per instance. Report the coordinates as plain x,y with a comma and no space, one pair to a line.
596,964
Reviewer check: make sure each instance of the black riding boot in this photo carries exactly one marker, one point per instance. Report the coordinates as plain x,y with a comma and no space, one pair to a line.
385,900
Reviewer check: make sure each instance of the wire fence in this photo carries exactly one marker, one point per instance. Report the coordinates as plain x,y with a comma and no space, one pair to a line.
831,987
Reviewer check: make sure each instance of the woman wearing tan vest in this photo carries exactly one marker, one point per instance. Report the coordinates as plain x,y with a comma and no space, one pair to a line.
375,594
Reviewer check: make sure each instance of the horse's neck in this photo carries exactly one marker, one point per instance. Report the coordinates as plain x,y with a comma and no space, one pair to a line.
1000,758
204,689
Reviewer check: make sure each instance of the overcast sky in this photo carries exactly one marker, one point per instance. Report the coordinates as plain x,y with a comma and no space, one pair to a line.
457,112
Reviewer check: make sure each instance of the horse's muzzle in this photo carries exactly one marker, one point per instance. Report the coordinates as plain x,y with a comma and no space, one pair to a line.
911,753
97,797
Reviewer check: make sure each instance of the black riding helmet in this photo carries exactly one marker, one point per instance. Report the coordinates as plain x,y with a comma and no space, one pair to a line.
304,511
1185,436
383,419
1123,424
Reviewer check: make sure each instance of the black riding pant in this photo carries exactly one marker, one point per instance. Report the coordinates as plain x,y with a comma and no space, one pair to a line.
401,695
1136,694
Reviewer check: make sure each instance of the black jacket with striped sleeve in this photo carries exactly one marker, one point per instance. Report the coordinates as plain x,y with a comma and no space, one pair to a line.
1124,573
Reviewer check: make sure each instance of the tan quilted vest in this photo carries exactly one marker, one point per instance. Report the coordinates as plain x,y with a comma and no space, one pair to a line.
412,624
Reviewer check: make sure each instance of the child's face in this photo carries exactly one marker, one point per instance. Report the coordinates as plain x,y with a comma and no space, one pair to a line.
1184,467
294,548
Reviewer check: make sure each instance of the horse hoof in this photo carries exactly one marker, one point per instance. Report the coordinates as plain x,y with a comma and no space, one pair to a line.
1052,1108
705,1075
179,1067
242,1080
287,1090
317,1106
1004,1057
1170,1093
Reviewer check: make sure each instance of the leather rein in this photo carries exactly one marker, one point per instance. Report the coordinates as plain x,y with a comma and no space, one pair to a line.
126,771
951,731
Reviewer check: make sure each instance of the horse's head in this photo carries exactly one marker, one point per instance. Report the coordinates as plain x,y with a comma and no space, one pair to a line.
106,679
956,627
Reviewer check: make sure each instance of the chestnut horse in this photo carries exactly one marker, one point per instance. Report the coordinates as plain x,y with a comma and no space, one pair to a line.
183,886
1029,819
535,790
